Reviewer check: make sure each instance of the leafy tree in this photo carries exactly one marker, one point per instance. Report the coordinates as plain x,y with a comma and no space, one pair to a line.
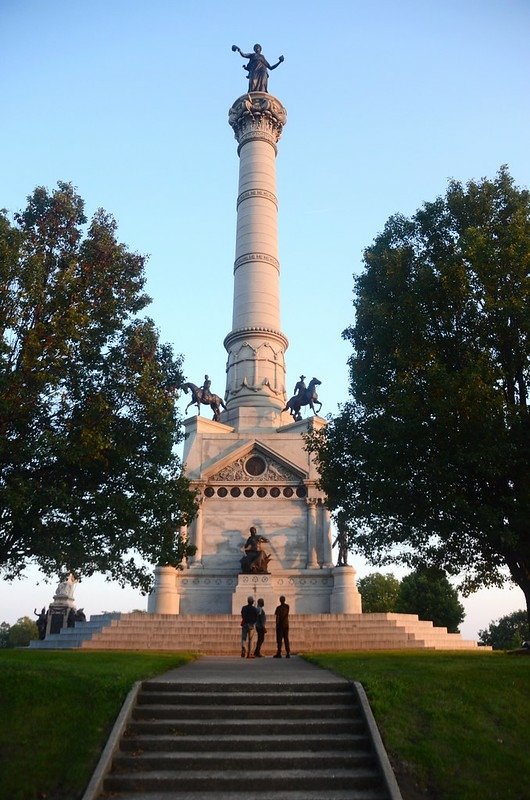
89,481
379,592
430,458
22,632
4,633
507,632
427,593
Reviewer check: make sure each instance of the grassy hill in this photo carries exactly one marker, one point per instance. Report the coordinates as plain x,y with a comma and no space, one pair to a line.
455,724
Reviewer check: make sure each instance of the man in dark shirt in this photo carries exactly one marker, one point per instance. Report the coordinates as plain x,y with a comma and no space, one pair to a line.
282,628
249,616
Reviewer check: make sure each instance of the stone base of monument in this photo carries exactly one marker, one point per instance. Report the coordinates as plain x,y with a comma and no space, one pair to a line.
168,598
255,586
201,591
345,597
58,615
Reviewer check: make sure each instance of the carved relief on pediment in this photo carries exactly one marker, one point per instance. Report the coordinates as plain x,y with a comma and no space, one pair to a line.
255,468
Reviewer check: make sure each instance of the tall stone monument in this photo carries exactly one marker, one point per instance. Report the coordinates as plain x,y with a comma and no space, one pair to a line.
250,468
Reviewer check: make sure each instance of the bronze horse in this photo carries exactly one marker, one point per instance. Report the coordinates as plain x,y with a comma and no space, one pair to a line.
212,400
307,398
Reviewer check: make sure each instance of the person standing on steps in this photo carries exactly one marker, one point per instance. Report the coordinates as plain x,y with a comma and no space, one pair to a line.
282,628
249,617
261,630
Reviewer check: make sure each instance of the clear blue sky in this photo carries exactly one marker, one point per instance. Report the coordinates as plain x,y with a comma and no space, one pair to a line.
386,101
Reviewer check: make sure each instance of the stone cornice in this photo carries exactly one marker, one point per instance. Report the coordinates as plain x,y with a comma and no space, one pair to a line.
243,333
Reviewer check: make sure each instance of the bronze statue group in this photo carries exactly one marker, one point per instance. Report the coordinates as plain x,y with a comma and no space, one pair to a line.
253,628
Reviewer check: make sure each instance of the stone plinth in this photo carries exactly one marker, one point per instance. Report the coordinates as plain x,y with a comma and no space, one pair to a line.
165,591
345,598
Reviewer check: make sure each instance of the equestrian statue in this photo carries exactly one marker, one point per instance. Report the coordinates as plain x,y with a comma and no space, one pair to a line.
304,396
202,394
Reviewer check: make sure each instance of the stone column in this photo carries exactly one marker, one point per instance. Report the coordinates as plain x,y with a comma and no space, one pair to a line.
327,553
164,599
312,508
256,346
196,536
345,597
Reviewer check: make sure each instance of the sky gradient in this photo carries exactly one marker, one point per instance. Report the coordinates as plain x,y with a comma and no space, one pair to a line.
386,101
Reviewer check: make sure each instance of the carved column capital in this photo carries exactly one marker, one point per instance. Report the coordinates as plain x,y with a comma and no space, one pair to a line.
257,116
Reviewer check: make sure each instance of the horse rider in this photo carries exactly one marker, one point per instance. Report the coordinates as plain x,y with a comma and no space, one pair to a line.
205,390
300,387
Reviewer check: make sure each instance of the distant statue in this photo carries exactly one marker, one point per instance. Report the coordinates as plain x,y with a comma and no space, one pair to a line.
65,589
200,392
300,387
304,397
205,397
257,68
41,621
342,541
255,561
80,615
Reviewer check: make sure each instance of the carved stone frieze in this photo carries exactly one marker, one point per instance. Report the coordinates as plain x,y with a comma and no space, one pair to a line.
272,473
251,193
246,258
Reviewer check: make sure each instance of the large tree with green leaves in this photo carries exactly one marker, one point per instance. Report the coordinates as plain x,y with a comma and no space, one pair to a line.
427,593
430,458
89,478
507,632
379,592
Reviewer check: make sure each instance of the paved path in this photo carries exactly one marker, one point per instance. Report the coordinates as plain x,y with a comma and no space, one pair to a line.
228,669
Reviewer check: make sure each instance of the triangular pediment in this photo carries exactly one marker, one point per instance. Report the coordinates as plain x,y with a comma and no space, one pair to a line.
256,463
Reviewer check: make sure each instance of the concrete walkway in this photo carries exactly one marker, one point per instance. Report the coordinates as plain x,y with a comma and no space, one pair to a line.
231,670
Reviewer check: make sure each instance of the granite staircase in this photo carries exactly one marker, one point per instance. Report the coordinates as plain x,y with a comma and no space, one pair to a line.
219,634
289,741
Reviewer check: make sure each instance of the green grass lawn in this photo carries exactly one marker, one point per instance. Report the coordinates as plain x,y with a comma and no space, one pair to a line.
456,725
56,712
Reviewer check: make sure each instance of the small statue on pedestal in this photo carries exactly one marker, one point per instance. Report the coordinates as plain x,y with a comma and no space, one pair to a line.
255,561
342,541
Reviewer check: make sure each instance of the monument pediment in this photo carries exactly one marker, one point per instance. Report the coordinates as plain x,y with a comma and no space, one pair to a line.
257,464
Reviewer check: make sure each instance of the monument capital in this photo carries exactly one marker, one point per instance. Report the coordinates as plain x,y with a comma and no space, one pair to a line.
257,116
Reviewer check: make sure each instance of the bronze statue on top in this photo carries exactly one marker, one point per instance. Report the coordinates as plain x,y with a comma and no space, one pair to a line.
257,68
303,397
255,561
202,394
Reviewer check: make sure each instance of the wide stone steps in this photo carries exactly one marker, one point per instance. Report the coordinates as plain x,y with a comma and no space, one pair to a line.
251,793
262,742
231,743
219,634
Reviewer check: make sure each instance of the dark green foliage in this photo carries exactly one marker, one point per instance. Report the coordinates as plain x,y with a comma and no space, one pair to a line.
430,458
89,481
379,592
507,632
22,632
4,634
427,593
